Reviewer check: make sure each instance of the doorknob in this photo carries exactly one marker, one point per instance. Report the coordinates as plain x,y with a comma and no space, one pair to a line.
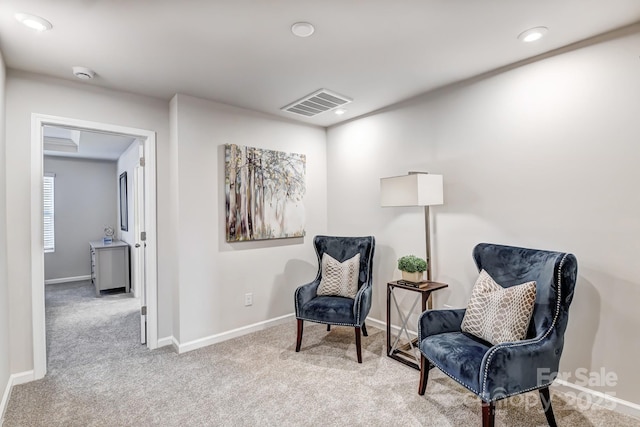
137,245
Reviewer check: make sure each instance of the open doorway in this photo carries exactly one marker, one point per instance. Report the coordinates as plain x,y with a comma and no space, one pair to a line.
139,228
90,205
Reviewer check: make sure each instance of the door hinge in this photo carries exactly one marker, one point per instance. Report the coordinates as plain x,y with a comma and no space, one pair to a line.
143,310
143,236
142,162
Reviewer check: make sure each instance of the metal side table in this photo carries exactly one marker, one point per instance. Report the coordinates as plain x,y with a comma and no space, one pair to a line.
401,347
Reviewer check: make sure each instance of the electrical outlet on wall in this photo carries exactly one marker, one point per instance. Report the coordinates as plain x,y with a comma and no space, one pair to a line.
248,299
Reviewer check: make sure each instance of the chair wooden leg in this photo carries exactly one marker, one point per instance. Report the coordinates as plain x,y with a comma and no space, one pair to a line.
299,339
364,330
425,366
358,345
545,399
328,328
488,414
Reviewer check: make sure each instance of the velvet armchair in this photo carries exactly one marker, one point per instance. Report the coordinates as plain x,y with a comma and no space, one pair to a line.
332,309
495,372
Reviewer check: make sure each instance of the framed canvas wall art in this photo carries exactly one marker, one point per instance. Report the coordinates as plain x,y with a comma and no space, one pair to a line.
264,190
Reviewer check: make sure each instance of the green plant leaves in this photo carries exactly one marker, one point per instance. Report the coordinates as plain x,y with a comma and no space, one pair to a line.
411,264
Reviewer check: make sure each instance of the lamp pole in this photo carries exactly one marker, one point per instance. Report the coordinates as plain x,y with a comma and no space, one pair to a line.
427,228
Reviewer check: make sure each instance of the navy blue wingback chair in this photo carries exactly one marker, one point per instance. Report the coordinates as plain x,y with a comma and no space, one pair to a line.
337,310
495,372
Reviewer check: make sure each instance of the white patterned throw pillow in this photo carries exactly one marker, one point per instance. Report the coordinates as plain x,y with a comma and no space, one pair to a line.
339,278
498,314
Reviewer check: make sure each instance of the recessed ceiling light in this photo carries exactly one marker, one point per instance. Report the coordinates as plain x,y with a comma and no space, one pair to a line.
302,29
83,73
532,34
340,111
34,22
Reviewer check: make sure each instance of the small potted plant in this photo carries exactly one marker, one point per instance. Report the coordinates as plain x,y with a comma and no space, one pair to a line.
412,267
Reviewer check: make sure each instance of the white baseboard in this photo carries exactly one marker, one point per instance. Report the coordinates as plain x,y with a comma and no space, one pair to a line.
223,336
604,400
383,325
163,342
169,341
67,279
15,379
377,323
22,378
5,400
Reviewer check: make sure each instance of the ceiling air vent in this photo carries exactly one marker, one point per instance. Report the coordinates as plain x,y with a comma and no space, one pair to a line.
316,103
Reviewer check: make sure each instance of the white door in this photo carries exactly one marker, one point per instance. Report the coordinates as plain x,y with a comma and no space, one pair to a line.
139,249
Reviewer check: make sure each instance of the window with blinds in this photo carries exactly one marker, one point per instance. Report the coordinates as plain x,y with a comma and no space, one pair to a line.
48,209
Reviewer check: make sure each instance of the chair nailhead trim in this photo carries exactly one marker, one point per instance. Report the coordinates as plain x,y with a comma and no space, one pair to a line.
367,283
493,350
330,323
519,392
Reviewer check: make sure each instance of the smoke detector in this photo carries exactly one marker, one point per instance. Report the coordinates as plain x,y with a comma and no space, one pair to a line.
83,73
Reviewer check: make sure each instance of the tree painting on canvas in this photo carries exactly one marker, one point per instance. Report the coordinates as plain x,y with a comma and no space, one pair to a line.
264,191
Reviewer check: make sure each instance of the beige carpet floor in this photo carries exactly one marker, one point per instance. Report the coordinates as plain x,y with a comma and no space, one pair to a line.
99,375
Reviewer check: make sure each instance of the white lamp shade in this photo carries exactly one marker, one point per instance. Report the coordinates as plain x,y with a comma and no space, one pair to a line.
418,189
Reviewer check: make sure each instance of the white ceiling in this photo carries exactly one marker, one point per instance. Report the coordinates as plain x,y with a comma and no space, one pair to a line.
91,145
242,52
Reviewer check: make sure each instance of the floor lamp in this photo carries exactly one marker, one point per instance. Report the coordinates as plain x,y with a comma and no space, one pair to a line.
414,189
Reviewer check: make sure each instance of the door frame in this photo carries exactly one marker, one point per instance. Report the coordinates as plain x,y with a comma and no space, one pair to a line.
139,251
37,249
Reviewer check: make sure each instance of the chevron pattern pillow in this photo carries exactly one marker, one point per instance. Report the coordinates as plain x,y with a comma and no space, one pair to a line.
498,314
339,278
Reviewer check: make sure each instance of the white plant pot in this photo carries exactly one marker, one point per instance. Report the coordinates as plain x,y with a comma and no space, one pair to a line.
412,277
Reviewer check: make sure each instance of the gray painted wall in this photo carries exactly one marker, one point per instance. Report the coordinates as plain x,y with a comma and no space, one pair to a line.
4,287
214,275
544,155
85,203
